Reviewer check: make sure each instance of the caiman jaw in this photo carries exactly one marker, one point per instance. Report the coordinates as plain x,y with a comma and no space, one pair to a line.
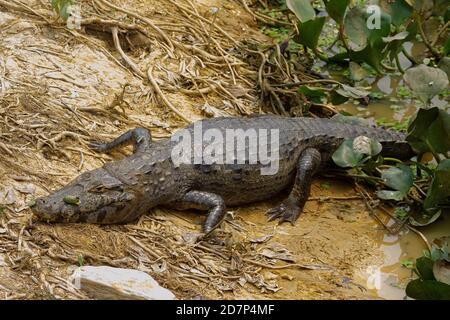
76,204
45,210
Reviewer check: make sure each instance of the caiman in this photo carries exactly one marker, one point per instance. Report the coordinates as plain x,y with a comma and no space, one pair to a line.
123,190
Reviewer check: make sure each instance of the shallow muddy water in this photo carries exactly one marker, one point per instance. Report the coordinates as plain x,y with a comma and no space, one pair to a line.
388,278
396,103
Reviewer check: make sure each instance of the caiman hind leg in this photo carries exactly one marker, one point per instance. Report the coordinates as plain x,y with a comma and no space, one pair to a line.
140,137
203,200
309,162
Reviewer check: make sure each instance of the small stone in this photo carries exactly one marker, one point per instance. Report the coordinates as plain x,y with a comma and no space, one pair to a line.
287,277
116,283
191,237
26,188
270,275
8,196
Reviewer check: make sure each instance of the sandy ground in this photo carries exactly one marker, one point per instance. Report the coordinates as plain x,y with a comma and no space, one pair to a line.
60,89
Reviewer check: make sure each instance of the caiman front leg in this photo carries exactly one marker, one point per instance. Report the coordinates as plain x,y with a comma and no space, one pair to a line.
309,162
140,137
203,200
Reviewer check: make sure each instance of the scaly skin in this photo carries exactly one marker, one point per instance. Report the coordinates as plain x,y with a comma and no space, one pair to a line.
121,191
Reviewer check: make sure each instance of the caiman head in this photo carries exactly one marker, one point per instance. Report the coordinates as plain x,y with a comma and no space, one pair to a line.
94,197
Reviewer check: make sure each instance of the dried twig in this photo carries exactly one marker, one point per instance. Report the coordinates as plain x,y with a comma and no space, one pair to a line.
163,96
144,19
114,31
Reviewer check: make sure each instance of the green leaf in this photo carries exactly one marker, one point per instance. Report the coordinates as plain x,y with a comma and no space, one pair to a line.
345,156
439,192
336,98
412,29
80,260
424,267
440,251
355,152
447,47
62,7
428,290
366,40
398,178
352,92
309,32
355,28
302,9
376,35
406,263
402,212
313,93
339,57
369,55
357,73
425,82
399,36
72,200
336,9
430,131
390,195
399,10
426,219
395,43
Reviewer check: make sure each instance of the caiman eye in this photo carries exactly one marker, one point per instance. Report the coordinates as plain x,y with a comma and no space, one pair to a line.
102,189
98,189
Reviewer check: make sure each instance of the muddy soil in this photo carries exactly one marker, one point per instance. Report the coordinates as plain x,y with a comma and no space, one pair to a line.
62,88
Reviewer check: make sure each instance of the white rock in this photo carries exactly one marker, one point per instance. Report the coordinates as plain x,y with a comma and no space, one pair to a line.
8,196
116,283
28,188
441,271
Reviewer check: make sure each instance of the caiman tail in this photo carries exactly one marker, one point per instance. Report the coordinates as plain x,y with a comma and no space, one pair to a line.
394,142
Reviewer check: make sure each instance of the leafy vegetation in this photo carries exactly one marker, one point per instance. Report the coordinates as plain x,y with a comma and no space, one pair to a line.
433,282
428,133
371,34
366,40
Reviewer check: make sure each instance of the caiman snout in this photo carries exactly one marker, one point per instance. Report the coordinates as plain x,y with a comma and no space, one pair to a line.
94,197
47,209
